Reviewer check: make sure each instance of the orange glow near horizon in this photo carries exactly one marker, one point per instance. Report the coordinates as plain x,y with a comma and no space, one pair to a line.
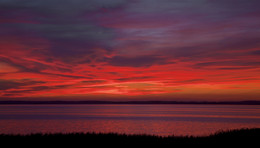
143,83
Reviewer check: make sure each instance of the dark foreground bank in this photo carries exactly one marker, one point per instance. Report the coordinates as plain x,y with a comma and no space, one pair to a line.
242,137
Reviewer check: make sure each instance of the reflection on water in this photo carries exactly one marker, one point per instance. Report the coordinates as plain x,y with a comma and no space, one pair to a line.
131,119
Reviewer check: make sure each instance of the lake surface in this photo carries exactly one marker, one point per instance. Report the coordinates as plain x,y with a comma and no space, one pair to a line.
161,120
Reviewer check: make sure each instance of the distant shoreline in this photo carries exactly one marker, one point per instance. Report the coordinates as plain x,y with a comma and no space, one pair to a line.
134,102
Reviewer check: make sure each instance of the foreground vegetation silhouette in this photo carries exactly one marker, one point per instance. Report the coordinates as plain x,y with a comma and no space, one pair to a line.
241,137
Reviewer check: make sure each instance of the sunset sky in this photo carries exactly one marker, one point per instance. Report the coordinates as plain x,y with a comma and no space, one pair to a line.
199,50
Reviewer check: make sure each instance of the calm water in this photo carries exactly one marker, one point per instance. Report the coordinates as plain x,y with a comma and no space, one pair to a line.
131,119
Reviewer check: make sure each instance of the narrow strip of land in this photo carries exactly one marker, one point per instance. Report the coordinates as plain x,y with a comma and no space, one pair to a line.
133,102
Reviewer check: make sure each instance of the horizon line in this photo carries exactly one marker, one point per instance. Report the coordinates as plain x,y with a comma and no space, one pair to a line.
246,102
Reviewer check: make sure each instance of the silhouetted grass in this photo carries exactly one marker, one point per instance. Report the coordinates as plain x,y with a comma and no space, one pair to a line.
241,137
